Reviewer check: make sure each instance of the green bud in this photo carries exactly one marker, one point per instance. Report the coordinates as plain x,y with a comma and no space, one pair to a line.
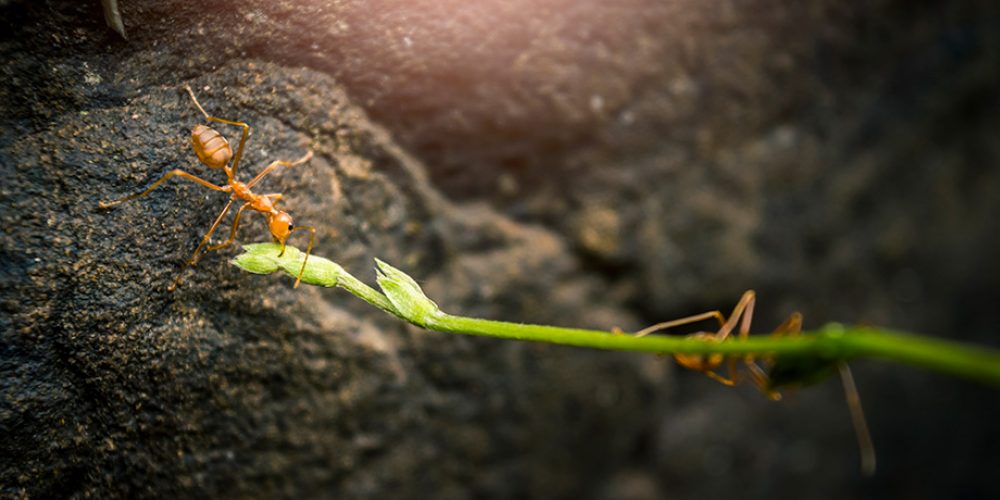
262,258
319,271
272,249
405,294
256,263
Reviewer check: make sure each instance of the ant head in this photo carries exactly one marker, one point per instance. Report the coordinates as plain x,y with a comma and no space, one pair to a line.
700,362
211,147
280,224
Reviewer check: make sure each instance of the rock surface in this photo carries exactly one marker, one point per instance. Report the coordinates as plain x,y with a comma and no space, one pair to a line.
580,163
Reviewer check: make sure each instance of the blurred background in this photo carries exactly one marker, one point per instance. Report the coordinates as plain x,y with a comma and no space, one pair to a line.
580,163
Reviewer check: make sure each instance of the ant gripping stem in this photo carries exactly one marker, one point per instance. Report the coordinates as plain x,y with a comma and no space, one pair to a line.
214,151
783,371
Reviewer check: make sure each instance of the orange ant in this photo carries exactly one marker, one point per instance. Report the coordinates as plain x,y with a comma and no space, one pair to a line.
783,372
214,151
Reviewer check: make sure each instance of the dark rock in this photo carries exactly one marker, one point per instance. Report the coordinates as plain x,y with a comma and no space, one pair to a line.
611,162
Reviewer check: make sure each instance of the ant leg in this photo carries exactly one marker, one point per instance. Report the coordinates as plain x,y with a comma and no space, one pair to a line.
744,310
682,321
791,327
760,379
312,236
194,257
243,139
858,419
279,163
706,363
746,302
275,198
232,233
172,173
731,381
196,103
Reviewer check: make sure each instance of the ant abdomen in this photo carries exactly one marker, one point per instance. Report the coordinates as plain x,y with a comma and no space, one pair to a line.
211,147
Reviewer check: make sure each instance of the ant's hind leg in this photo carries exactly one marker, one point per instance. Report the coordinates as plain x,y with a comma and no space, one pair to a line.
168,175
196,103
195,256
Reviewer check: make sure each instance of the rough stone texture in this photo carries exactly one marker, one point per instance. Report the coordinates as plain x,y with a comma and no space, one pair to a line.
580,163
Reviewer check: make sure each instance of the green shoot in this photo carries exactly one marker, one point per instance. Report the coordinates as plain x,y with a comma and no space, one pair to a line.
832,344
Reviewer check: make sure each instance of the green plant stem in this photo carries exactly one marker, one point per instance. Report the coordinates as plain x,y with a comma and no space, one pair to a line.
368,294
832,342
403,298
954,358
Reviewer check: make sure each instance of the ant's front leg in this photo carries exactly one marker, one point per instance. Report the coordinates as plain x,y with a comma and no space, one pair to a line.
312,236
232,232
195,256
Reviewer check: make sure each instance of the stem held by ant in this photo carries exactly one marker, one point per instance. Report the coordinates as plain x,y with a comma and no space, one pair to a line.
789,356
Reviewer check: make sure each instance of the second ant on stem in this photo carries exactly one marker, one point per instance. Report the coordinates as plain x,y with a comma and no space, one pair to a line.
780,372
214,151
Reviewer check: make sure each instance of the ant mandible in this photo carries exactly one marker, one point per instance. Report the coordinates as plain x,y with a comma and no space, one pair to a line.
783,372
214,151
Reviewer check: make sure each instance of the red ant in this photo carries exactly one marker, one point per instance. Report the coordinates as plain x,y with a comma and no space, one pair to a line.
782,372
213,151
